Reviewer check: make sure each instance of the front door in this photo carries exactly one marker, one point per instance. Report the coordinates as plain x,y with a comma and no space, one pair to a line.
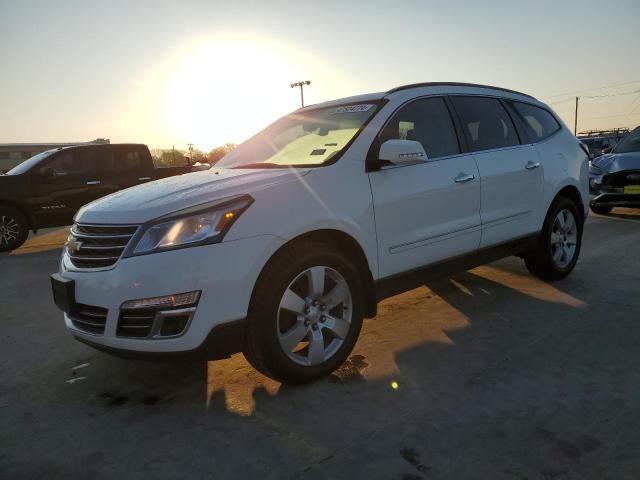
74,183
429,211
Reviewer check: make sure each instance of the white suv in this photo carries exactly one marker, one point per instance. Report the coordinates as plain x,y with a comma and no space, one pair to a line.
289,241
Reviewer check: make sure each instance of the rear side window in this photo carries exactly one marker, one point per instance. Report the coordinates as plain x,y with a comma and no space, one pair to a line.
537,122
125,160
428,122
486,123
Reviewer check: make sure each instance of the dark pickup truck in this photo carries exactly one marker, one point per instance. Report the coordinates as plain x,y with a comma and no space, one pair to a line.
48,189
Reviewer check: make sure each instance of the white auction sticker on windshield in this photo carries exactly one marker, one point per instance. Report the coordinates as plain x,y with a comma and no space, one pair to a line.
352,109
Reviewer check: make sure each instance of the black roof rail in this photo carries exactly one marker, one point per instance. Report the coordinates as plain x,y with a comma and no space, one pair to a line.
455,84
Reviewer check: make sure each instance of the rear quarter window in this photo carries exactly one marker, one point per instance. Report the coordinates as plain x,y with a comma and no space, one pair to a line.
537,123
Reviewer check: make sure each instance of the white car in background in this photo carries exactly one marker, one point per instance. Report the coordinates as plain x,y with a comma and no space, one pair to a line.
284,246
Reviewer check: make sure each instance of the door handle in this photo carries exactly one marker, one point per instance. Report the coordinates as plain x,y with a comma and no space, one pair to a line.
531,165
144,179
94,182
464,178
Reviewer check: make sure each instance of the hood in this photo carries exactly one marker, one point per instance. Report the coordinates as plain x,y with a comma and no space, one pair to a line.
154,199
617,162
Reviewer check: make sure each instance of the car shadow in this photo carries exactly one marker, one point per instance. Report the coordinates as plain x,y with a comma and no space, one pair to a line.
47,240
625,213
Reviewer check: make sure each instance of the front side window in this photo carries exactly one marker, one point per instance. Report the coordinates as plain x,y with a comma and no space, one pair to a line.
538,123
30,163
486,123
428,122
70,163
301,139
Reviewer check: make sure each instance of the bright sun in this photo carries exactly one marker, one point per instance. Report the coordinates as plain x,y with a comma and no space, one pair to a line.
227,89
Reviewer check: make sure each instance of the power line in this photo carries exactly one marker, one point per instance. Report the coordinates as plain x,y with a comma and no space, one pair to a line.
591,89
611,94
632,107
561,101
595,96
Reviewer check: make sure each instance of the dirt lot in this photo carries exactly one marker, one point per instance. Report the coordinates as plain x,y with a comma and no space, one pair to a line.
490,374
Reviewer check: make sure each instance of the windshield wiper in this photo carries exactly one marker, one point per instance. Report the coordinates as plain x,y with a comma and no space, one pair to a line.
260,165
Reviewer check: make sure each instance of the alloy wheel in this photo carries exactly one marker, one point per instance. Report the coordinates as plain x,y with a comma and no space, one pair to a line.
9,230
564,237
314,316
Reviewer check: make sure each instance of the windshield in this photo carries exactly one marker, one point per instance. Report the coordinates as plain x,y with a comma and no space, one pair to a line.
30,163
630,143
301,139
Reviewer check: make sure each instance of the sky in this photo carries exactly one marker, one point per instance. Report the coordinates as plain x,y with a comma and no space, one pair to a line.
211,72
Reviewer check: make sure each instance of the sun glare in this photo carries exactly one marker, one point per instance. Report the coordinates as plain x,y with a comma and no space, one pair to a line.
227,89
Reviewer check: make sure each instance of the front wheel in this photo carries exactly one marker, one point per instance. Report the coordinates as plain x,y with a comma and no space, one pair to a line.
13,229
558,248
305,315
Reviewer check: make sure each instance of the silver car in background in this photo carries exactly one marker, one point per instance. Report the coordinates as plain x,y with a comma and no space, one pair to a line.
614,178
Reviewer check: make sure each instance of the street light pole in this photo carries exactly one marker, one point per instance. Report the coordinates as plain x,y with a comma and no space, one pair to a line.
301,85
575,121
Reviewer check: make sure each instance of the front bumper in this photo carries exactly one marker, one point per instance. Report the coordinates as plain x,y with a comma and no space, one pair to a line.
225,273
614,200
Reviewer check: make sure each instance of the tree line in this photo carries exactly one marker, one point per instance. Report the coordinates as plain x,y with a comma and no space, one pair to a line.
168,157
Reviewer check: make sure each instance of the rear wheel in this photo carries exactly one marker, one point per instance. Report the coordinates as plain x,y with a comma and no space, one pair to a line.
558,247
13,229
305,315
601,209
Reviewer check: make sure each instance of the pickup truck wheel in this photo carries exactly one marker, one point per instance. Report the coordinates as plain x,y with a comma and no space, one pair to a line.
601,210
559,243
305,315
13,229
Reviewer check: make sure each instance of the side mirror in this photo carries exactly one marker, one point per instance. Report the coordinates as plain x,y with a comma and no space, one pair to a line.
47,172
402,152
606,150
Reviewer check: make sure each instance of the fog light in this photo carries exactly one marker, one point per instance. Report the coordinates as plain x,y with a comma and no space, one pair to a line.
168,301
174,325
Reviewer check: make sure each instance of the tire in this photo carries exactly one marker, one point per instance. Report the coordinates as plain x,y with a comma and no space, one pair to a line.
601,209
14,229
271,344
558,248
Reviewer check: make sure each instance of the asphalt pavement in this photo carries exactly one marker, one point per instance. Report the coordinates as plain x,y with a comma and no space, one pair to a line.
490,374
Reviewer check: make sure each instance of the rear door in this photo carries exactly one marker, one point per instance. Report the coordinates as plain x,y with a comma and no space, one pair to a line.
510,171
127,166
428,211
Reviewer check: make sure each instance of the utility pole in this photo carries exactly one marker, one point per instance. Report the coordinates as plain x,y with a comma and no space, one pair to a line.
575,124
190,145
301,85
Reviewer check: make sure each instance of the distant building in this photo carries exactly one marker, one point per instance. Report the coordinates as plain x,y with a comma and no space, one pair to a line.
12,154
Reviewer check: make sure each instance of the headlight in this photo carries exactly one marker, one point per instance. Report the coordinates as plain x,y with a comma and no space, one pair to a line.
594,170
195,226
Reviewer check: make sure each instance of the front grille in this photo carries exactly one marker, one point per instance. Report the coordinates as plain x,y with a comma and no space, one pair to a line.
89,318
98,246
619,179
135,323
